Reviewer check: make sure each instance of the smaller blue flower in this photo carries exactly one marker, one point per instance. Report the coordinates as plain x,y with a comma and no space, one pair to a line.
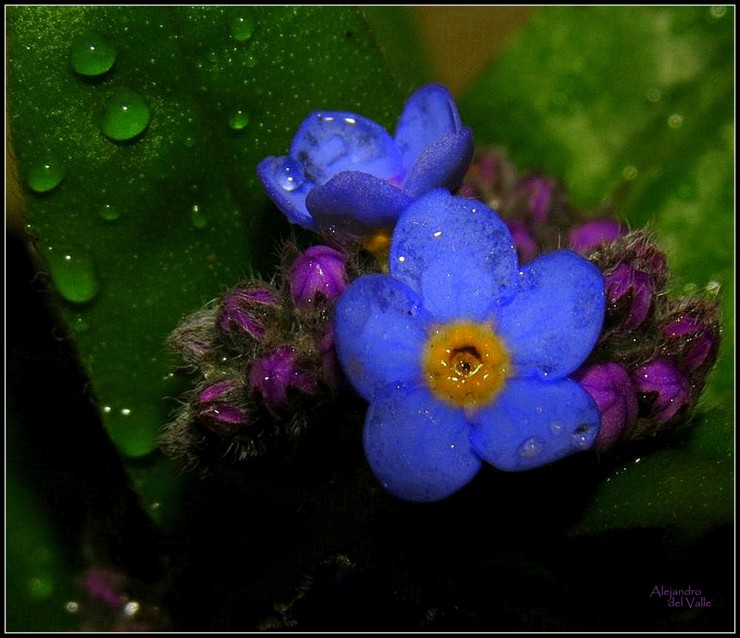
346,174
463,355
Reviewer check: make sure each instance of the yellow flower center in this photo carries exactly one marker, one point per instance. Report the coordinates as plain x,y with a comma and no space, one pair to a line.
465,364
379,245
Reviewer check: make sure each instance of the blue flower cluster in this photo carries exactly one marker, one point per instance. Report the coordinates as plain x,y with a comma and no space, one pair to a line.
463,355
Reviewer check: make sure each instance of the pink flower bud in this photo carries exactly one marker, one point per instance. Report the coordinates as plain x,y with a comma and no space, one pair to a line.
616,397
593,233
702,339
526,246
665,390
271,376
222,419
629,291
243,310
320,271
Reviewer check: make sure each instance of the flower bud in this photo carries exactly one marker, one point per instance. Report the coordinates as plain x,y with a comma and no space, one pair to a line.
245,308
694,339
222,419
320,271
593,233
193,339
526,245
271,376
217,391
629,294
537,193
610,386
665,391
105,585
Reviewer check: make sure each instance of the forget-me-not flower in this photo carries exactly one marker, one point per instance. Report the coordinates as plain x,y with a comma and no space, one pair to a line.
463,355
345,174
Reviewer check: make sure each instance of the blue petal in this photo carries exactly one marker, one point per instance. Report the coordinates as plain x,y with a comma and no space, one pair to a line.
285,184
429,114
533,423
328,143
380,330
356,205
442,164
418,447
456,253
553,322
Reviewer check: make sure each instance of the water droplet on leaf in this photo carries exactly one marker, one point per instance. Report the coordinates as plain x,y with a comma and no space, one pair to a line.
109,212
198,218
46,175
92,55
126,116
238,120
242,27
73,275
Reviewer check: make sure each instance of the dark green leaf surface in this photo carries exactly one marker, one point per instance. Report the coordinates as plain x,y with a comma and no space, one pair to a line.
141,182
633,107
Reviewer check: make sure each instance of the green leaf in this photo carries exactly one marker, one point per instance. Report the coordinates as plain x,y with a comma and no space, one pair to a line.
634,107
140,180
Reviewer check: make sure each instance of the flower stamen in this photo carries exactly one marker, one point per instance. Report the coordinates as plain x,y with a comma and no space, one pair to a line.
465,364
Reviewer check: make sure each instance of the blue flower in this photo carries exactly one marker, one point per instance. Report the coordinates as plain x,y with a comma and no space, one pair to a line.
463,355
347,175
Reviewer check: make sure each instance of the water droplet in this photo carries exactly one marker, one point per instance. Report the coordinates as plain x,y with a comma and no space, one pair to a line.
251,62
125,411
109,212
125,116
72,607
290,175
530,448
629,173
675,120
556,427
73,275
92,55
198,218
715,13
654,95
46,175
40,587
242,27
238,120
583,436
131,609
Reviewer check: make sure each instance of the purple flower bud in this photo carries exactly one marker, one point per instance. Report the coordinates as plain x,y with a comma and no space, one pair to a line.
526,246
271,376
194,337
216,391
592,234
105,585
537,191
629,291
704,341
243,310
222,419
665,390
616,397
320,271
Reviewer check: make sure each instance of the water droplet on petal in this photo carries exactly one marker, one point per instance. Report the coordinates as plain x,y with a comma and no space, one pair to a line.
46,175
238,120
530,448
73,275
556,427
92,55
126,116
109,212
242,27
290,175
583,436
